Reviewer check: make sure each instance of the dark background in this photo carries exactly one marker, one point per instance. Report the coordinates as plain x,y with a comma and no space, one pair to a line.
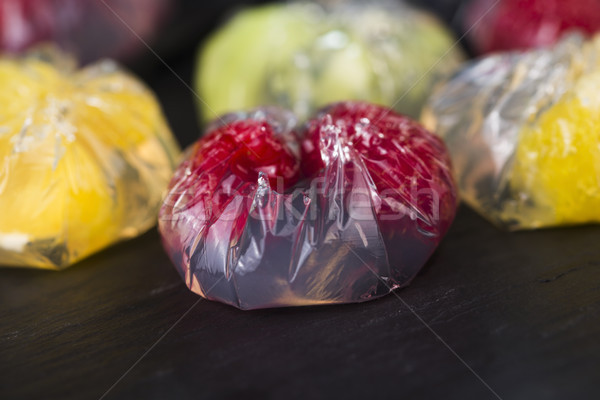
520,312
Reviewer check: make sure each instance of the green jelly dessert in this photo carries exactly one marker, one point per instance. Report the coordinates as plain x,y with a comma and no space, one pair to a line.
305,55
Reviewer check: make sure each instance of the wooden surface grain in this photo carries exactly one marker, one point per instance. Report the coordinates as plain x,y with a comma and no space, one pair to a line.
493,315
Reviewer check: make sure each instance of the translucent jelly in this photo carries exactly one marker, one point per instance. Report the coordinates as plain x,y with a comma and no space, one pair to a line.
303,55
89,29
524,133
500,25
262,213
84,158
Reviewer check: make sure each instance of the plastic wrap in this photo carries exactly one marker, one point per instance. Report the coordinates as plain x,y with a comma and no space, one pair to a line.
85,156
264,214
523,130
303,56
91,29
497,25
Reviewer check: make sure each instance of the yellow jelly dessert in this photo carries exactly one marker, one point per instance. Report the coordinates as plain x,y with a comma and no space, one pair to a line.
557,160
523,129
84,158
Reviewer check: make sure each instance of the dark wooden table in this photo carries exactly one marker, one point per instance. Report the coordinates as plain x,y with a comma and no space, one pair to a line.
493,315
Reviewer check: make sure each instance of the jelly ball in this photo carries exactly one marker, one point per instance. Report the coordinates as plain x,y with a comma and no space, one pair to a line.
90,29
494,25
302,56
524,133
85,156
263,213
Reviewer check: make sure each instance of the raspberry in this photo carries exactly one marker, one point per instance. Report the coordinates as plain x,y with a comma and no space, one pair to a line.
404,160
240,150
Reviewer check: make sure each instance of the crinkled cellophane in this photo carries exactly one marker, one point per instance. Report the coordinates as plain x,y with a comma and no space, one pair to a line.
524,133
302,56
85,156
329,239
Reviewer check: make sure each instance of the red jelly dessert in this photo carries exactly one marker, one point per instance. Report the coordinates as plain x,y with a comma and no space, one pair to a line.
262,213
496,25
91,29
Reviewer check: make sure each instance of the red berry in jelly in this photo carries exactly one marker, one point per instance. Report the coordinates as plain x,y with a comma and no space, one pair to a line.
262,213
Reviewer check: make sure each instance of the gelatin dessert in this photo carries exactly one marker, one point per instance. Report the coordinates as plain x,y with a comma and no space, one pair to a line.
345,208
500,25
303,56
90,29
523,130
85,155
